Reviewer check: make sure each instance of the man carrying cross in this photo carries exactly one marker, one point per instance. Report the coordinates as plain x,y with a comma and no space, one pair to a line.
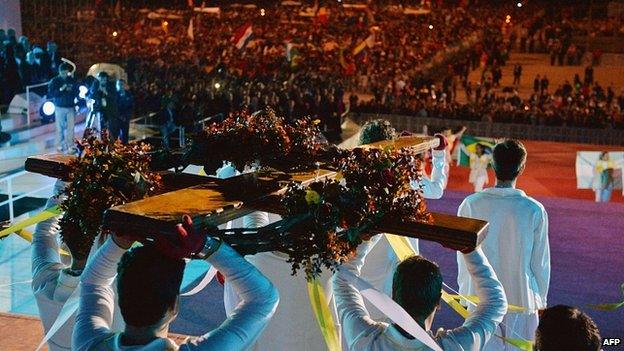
149,282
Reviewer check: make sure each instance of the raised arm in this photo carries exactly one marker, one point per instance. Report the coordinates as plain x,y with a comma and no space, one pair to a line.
259,300
352,313
97,299
481,324
540,257
45,248
433,187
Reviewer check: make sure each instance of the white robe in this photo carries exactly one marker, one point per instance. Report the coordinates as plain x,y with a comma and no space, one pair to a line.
381,260
294,325
517,247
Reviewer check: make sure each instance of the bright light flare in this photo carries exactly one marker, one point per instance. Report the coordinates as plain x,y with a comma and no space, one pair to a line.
48,108
262,12
519,4
217,85
431,26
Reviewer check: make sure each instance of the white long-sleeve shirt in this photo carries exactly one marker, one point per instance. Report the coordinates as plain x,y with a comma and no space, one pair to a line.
92,330
362,333
381,260
516,245
51,285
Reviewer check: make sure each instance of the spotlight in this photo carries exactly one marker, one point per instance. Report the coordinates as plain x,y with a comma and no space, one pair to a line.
431,26
82,92
48,108
115,33
217,85
519,4
262,12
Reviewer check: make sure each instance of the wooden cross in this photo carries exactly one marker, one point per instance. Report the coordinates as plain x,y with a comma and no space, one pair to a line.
211,202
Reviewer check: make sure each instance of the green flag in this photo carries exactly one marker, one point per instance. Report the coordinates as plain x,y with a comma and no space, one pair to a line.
469,143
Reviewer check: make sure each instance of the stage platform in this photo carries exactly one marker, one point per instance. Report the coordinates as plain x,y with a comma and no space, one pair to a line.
21,332
586,243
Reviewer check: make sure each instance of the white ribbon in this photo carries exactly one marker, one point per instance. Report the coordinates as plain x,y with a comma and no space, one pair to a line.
393,310
210,274
69,308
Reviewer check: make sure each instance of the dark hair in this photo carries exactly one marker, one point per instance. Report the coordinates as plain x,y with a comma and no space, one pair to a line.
566,328
65,67
509,158
376,130
102,74
148,285
417,286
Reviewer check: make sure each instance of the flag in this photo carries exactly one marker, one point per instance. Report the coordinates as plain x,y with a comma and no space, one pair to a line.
242,36
289,47
322,16
470,144
118,8
369,42
190,32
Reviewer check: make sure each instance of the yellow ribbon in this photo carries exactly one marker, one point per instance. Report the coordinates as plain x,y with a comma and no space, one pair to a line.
403,249
609,306
320,306
26,235
41,216
475,299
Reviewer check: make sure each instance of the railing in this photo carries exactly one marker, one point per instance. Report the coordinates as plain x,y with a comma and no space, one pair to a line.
508,130
28,87
11,198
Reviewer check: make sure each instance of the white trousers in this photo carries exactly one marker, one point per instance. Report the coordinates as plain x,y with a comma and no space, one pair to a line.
514,326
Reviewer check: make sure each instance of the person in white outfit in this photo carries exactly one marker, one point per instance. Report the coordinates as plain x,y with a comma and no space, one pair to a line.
479,163
53,282
382,261
149,282
602,182
294,325
451,139
516,244
417,288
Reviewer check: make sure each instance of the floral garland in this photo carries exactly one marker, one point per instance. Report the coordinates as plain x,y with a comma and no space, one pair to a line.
373,183
107,174
262,138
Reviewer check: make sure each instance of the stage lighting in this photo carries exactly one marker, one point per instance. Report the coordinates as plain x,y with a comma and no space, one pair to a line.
431,26
262,12
519,4
115,33
217,85
48,108
82,92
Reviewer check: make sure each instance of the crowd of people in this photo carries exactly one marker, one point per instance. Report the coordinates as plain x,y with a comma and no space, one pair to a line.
22,64
575,103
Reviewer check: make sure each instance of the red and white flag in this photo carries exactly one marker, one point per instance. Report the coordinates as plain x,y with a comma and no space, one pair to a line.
242,36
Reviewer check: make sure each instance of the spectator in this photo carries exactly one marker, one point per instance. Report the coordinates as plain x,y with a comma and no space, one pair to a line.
63,90
120,126
567,328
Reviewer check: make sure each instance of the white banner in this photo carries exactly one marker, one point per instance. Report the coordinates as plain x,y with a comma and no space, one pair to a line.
586,164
